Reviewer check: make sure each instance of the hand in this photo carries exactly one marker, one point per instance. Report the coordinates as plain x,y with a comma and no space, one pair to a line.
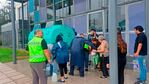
108,66
136,54
49,61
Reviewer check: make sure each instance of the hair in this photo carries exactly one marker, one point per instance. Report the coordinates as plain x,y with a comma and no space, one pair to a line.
93,30
59,38
94,39
121,43
139,28
101,37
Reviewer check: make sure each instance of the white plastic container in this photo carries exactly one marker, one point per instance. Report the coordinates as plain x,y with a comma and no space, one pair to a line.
54,77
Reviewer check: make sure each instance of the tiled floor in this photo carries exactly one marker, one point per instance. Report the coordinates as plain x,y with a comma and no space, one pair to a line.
14,75
11,76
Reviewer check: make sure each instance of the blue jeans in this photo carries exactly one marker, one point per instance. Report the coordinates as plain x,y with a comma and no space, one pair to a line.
143,67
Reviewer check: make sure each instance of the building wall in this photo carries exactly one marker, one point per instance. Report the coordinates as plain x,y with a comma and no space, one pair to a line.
87,14
6,32
18,11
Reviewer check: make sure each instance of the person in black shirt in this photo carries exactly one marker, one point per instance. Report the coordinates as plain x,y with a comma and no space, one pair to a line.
140,52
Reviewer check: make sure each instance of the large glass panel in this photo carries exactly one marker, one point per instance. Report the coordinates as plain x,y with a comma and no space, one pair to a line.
42,3
68,22
121,17
43,14
81,24
31,17
36,4
95,4
49,2
68,7
136,17
25,12
120,1
96,21
58,5
50,12
80,6
59,11
104,3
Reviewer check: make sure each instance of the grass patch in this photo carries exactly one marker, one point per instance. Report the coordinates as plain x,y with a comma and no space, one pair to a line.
6,54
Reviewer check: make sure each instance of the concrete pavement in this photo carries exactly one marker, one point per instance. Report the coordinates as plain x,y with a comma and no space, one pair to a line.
20,73
11,76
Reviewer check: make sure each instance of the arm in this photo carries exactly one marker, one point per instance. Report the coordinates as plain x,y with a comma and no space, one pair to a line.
47,54
138,50
46,51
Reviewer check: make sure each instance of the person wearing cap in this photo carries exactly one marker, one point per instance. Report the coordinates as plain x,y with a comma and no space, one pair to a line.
38,56
92,34
104,53
140,52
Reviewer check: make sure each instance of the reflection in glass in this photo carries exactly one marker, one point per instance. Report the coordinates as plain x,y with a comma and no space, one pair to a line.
49,2
50,12
42,3
95,4
121,17
36,4
31,17
96,21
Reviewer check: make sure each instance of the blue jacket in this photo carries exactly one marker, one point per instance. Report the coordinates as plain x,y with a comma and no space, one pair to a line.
77,52
61,52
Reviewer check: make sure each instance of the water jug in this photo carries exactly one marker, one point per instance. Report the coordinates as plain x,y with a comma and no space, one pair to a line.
54,77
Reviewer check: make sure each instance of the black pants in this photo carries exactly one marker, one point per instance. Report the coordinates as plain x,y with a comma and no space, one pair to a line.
86,59
81,70
63,68
121,68
104,69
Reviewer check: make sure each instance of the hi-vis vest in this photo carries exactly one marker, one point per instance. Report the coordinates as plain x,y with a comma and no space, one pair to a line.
36,53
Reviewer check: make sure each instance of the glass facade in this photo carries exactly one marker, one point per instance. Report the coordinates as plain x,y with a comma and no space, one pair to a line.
82,15
96,21
80,24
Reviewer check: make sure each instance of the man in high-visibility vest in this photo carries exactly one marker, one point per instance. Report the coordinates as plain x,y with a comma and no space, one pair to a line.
38,55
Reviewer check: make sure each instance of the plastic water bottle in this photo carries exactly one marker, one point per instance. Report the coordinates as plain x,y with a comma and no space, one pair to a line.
54,77
49,70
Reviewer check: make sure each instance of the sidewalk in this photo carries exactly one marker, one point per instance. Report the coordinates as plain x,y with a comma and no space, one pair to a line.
11,76
14,75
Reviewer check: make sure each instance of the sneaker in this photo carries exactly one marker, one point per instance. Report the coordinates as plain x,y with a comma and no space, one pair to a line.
138,79
81,75
86,69
61,80
103,77
71,74
140,82
66,77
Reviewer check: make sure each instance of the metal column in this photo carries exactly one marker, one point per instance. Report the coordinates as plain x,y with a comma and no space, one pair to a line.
146,2
54,10
113,42
13,31
22,25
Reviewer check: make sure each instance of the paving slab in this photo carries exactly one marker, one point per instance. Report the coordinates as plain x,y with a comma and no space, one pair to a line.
91,77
